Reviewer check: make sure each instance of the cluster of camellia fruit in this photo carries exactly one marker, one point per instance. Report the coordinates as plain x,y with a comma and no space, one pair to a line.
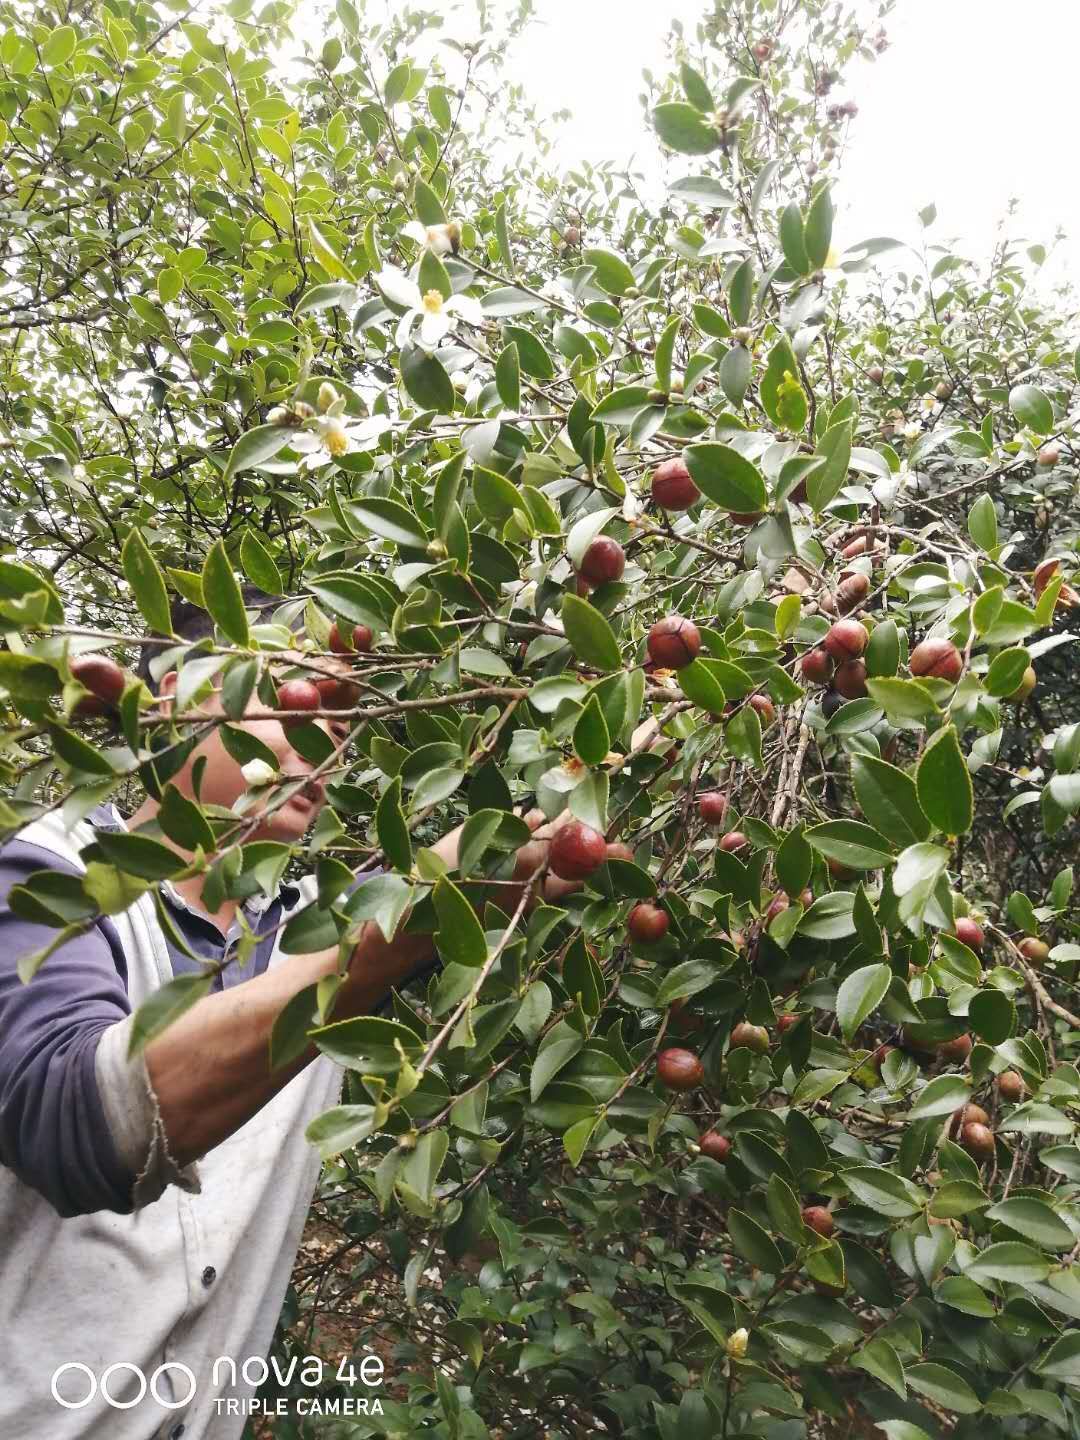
105,682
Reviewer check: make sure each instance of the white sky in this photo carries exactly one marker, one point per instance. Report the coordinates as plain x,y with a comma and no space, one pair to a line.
973,103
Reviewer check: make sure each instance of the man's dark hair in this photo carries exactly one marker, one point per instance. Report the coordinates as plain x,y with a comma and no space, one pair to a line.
190,622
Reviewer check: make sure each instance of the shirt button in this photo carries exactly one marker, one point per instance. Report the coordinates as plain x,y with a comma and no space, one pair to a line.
209,1275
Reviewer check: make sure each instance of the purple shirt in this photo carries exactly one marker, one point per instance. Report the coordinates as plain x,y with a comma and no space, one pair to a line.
53,1131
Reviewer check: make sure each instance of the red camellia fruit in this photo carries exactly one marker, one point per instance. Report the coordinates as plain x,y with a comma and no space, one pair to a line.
672,487
1011,1087
850,679
850,593
978,1141
716,1146
732,841
745,517
299,695
967,1115
673,642
603,562
880,1055
819,1219
846,640
816,666
679,1069
337,694
764,707
619,850
787,1022
940,658
750,1037
876,374
362,640
955,1052
577,850
683,1021
778,906
647,923
712,807
969,934
105,680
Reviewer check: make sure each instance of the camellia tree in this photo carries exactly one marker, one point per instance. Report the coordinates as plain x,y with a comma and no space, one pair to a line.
754,552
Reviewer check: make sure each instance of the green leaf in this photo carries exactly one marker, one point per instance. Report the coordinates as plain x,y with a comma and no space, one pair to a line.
878,1358
508,376
558,1047
460,937
1032,408
958,1197
793,240
817,233
982,523
391,829
944,784
165,1005
742,736
681,127
944,1387
612,272
753,1243
726,477
59,46
1035,1220
883,1191
1062,1361
1007,671
259,565
589,634
992,1016
388,519
1008,1261
697,92
425,380
962,1294
888,798
699,683
941,1097
735,374
903,699
853,844
591,738
255,447
327,256
825,483
223,596
860,995
340,1128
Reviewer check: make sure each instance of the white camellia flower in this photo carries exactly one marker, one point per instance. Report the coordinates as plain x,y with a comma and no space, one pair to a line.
436,314
330,433
257,773
439,239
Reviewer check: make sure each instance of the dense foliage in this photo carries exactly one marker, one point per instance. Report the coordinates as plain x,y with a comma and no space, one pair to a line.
347,332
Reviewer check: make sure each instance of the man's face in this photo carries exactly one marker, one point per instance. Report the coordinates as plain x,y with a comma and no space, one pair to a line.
222,780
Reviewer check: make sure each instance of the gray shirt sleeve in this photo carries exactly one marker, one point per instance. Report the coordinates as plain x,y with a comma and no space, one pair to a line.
53,1130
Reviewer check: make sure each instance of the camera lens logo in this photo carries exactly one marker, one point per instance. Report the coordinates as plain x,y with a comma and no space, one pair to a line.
112,1387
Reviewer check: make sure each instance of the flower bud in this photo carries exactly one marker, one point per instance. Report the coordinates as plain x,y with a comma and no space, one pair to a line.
327,396
257,773
737,1343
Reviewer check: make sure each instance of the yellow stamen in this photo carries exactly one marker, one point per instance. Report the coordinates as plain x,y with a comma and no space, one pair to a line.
433,302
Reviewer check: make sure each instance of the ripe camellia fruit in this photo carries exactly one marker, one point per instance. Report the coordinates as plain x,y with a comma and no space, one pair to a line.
750,1037
764,707
1011,1087
712,807
745,517
850,679
673,642
955,1052
732,841
716,1146
679,1069
299,695
603,562
1034,951
577,850
937,657
967,1115
647,923
846,640
831,702
851,592
880,1055
778,906
816,666
1049,455
969,933
978,1141
684,1021
105,680
818,1219
362,640
875,374
672,487
787,1022
337,694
